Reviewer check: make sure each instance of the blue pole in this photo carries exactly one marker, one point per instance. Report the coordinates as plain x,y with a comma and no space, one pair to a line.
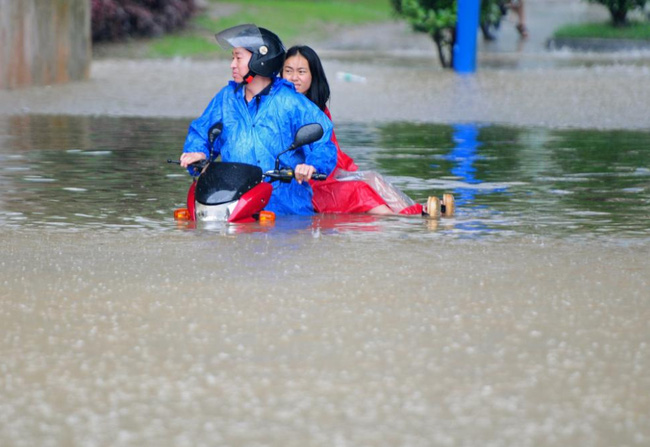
466,32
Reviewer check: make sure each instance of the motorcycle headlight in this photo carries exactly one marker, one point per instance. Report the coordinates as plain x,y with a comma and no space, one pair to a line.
214,213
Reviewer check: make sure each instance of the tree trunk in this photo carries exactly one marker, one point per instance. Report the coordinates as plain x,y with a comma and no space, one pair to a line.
445,38
44,42
619,14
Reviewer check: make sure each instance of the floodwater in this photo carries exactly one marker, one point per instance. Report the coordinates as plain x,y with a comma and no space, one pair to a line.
73,174
524,320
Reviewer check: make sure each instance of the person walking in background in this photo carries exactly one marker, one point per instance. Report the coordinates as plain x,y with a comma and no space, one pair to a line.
493,17
517,6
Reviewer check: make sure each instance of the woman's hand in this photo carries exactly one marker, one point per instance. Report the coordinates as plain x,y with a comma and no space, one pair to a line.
187,158
303,172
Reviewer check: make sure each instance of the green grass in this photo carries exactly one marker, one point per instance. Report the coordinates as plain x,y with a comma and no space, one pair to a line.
179,45
636,30
295,21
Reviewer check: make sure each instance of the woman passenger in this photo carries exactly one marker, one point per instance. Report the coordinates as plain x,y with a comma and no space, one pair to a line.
346,190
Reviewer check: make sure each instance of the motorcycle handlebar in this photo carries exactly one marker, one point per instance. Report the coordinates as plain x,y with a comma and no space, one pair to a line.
196,165
281,174
286,175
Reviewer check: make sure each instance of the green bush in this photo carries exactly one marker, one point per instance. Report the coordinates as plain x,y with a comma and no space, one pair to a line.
113,20
604,30
620,8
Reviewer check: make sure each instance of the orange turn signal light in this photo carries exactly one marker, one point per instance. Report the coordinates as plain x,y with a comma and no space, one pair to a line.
267,216
182,214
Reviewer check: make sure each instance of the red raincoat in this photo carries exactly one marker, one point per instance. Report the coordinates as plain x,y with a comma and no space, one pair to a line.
349,196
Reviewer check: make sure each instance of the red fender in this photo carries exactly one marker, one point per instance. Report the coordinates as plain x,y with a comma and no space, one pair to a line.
252,202
190,201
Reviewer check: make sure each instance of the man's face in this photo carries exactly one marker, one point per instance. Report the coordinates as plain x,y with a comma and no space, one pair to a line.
239,64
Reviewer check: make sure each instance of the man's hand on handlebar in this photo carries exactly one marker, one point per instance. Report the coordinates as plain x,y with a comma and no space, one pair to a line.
187,158
303,172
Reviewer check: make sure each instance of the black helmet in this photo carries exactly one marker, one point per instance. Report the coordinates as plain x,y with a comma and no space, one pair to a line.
268,51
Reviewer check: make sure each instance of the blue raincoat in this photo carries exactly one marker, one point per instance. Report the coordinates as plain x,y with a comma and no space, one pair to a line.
256,132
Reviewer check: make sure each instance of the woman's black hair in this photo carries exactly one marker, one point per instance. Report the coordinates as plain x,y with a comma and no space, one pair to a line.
319,90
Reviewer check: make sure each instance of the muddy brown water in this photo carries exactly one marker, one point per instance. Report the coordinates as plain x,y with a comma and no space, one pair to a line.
522,321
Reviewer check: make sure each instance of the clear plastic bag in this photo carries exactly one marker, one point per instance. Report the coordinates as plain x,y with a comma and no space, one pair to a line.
395,199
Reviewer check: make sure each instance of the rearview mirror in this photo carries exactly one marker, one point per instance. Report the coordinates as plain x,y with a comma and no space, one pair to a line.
214,132
307,134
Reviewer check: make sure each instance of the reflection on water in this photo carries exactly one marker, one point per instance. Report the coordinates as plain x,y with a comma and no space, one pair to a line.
110,173
97,172
558,183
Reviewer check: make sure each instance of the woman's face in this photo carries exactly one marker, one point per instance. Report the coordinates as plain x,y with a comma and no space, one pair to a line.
296,70
239,63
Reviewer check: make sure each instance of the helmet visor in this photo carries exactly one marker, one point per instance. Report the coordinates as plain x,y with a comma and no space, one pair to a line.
246,36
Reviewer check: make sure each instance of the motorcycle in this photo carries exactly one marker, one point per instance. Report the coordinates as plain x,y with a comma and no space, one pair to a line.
237,192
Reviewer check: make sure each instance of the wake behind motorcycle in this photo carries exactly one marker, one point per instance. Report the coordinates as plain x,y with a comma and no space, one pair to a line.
237,192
